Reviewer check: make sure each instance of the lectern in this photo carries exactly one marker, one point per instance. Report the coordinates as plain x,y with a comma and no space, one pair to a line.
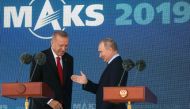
26,90
128,95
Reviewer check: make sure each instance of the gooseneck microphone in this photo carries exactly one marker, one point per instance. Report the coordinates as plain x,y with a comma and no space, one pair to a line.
25,58
140,64
128,64
40,59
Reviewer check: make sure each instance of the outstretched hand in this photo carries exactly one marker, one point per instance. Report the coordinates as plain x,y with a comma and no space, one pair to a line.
81,79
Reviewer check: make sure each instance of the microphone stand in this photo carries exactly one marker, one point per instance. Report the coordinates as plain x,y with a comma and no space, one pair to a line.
122,77
20,73
33,71
27,98
129,102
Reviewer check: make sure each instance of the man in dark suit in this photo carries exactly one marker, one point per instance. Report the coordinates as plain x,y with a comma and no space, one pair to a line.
56,72
111,76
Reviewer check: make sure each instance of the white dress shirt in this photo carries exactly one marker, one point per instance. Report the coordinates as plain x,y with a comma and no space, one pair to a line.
55,58
115,56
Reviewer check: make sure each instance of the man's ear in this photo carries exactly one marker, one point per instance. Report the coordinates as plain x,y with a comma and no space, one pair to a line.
110,49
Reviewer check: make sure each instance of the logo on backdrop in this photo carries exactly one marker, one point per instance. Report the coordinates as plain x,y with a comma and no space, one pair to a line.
42,15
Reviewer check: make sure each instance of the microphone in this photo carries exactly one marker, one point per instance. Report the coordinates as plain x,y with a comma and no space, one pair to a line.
140,64
25,58
128,64
40,59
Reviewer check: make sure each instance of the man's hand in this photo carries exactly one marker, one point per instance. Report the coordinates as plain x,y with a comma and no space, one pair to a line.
54,104
81,79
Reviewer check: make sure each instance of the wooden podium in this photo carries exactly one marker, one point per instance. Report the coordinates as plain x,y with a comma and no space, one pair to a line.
128,95
26,90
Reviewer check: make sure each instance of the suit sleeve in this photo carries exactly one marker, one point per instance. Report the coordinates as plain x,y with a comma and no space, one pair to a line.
91,87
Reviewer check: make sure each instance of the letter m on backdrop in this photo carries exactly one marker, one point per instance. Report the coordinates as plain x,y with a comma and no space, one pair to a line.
10,13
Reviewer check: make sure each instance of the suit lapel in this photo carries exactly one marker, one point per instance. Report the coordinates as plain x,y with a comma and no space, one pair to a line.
103,74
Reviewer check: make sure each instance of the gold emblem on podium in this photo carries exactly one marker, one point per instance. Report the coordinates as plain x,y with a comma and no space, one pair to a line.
123,93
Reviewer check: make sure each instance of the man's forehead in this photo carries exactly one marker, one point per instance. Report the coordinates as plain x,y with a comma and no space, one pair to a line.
59,38
101,44
101,47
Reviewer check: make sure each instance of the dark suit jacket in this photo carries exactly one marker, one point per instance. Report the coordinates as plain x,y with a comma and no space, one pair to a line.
48,73
110,77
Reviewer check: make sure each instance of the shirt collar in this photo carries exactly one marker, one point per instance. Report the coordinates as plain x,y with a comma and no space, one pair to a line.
116,55
54,55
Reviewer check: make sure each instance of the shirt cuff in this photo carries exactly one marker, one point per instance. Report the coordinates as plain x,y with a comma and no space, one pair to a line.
49,101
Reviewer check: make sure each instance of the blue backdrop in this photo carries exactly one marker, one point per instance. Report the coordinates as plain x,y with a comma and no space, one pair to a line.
156,31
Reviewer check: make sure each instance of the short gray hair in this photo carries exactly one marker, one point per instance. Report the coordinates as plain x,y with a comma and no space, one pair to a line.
109,43
60,33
